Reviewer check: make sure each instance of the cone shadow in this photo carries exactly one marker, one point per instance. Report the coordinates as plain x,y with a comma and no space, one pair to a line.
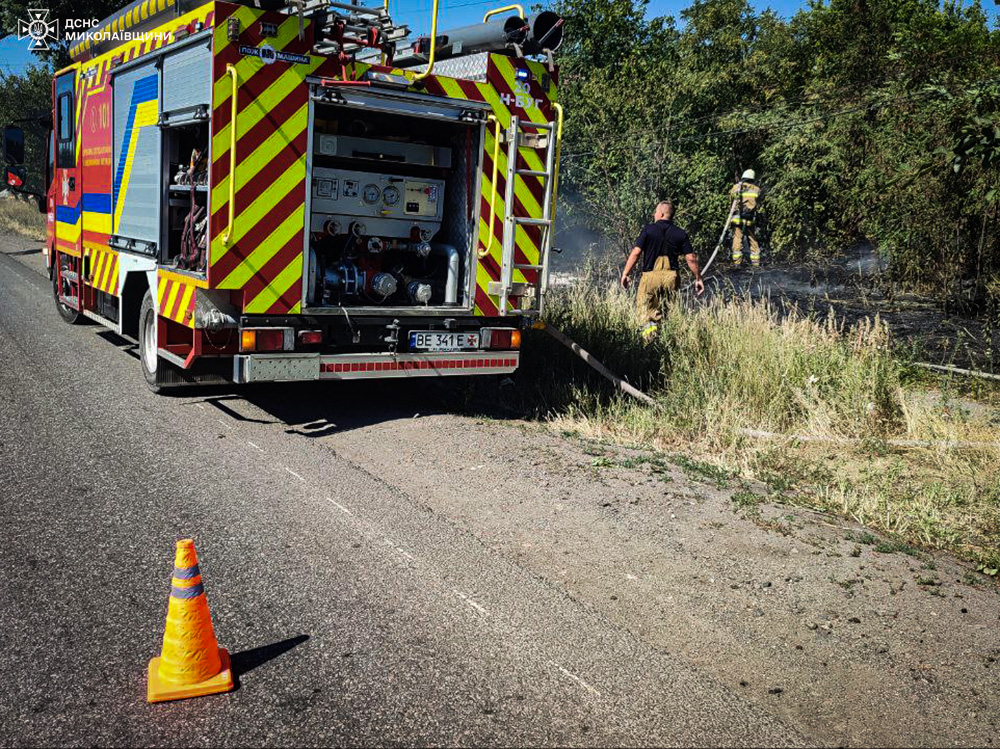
247,660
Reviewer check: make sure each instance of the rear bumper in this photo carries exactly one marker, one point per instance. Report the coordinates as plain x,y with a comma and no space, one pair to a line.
297,367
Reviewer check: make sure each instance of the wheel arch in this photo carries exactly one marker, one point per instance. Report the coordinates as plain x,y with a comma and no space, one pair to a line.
133,290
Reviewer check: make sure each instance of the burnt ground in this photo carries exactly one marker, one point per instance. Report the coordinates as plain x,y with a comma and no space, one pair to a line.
858,285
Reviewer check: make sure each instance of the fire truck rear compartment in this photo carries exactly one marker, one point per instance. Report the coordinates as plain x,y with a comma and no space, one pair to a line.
393,207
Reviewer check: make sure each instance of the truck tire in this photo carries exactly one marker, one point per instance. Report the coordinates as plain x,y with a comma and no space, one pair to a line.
160,375
68,314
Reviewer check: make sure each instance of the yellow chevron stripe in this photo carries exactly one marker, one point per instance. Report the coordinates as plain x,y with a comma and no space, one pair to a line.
248,168
290,276
181,278
260,107
161,287
109,265
266,249
185,301
98,265
97,270
106,275
171,297
248,217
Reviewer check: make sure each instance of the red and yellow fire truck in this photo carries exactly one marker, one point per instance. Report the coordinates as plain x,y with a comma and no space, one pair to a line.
297,190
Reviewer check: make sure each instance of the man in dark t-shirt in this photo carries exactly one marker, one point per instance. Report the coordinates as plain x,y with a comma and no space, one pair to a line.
659,246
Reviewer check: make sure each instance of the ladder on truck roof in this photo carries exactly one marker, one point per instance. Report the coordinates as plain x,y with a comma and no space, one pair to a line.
506,288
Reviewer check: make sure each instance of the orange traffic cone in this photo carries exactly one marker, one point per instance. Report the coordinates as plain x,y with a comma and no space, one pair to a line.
192,663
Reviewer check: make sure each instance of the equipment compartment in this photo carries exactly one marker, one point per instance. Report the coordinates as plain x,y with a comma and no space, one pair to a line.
393,208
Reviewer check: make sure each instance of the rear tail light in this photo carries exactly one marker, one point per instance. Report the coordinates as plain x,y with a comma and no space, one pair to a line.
266,339
310,337
501,338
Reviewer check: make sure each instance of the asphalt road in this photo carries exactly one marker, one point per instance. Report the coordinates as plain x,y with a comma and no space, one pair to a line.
354,614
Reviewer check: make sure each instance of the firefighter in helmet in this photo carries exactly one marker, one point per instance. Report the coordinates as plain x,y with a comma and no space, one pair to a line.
746,199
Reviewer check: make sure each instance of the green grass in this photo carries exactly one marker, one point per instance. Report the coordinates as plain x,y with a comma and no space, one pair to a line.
720,371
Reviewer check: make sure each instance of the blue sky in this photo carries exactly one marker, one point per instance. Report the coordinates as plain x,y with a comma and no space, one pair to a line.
14,55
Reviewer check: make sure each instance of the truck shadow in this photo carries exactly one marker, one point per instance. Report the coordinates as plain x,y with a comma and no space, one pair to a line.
319,409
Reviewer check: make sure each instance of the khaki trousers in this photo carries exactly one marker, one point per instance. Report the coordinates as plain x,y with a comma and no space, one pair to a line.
656,287
738,243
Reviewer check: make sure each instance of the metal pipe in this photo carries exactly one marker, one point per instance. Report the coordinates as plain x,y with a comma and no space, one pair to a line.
359,9
498,11
493,187
231,71
494,36
454,265
546,33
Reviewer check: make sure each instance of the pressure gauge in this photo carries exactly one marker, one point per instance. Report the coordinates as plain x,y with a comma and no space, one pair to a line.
390,195
371,194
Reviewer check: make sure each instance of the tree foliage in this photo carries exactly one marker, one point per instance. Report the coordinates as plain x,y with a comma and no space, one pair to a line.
866,120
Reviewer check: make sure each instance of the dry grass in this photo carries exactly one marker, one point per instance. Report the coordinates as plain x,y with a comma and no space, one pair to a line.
22,217
844,410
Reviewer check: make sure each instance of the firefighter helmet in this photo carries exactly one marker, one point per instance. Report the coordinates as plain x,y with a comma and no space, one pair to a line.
749,174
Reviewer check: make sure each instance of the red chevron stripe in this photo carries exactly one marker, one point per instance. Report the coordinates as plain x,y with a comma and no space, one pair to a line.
534,184
176,308
250,141
470,89
287,300
433,86
262,180
257,234
247,92
188,314
495,78
271,269
166,296
484,303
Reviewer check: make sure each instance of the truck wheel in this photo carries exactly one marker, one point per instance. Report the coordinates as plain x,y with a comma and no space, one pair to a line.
68,314
159,374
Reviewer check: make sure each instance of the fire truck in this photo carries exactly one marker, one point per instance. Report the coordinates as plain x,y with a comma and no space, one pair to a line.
289,190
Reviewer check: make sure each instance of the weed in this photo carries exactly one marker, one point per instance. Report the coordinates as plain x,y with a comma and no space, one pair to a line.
856,551
927,581
845,584
746,500
701,470
893,547
971,578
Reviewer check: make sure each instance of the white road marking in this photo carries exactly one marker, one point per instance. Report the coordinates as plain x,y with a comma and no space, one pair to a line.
224,423
258,448
200,405
339,506
472,603
293,473
576,678
405,553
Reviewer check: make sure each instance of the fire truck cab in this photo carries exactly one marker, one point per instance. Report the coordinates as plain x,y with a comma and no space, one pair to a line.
300,191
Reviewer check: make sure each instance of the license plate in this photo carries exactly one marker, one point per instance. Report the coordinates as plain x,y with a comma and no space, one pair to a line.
431,340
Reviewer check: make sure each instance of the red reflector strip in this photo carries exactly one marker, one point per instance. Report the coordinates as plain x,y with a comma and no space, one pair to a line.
404,366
